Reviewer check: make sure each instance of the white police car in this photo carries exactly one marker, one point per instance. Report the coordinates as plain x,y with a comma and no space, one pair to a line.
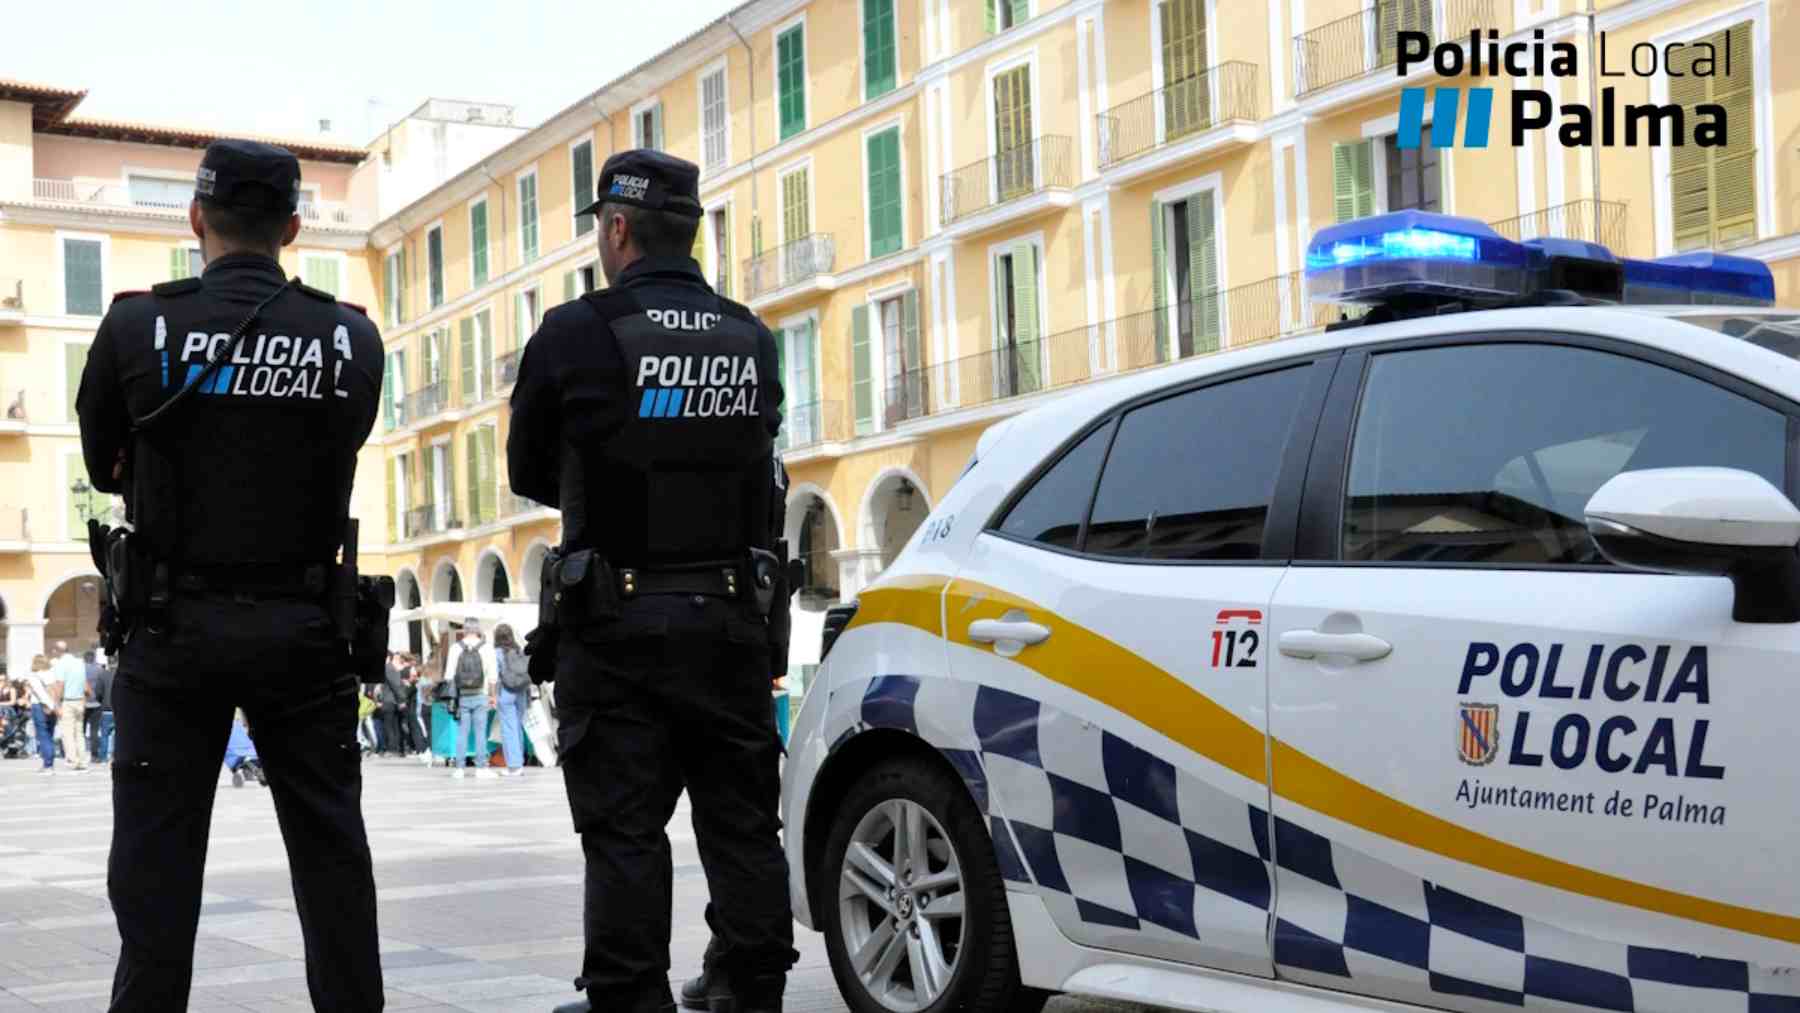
1442,660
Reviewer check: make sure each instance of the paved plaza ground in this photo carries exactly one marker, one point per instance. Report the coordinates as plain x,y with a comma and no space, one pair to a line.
480,892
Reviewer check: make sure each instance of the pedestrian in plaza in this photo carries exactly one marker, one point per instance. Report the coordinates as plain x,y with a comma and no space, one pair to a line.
15,719
228,409
71,717
100,714
514,697
412,729
45,697
673,610
367,731
470,664
240,754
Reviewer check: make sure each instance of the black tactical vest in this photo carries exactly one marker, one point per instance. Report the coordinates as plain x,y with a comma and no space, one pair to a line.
684,474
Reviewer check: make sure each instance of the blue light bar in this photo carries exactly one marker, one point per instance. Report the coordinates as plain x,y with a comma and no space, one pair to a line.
1414,254
1702,278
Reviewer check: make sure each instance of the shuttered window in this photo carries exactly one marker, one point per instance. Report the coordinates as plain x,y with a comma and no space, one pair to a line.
1017,361
1187,99
83,282
482,495
712,121
186,262
878,48
790,62
434,267
647,127
393,380
581,172
1395,16
528,217
75,354
478,243
1004,14
884,192
800,379
1013,161
904,373
393,287
862,380
719,221
796,216
1712,191
465,355
322,272
1203,276
1353,179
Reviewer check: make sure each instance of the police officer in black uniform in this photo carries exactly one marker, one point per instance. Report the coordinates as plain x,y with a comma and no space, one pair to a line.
237,494
647,412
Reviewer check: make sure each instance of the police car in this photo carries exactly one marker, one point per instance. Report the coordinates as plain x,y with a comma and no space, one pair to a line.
1449,659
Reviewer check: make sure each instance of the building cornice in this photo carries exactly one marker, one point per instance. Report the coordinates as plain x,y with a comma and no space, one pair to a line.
156,223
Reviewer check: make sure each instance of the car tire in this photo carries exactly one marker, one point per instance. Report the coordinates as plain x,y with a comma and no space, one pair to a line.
880,945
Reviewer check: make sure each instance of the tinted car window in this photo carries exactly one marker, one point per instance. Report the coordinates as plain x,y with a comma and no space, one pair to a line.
1191,476
1052,511
1489,453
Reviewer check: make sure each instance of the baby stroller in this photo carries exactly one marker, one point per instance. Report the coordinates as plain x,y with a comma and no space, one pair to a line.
15,738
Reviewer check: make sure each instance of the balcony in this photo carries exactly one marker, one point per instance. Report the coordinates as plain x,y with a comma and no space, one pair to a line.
1042,166
511,504
802,265
1368,40
506,369
426,519
810,424
427,402
1214,97
12,300
1589,220
101,195
15,529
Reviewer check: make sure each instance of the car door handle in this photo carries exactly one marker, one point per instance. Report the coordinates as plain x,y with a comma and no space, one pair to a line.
1312,643
1018,631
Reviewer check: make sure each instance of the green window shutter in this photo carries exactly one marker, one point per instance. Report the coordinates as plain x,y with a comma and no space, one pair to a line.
878,47
656,127
1159,285
755,237
791,74
387,399
472,468
1203,268
484,350
521,326
724,254
465,348
568,286
1365,179
389,293
528,217
434,267
1025,299
489,487
1713,190
862,379
991,20
912,365
400,283
393,505
1021,11
82,278
178,263
796,217
75,357
1353,179
478,242
1690,168
450,485
885,226
582,172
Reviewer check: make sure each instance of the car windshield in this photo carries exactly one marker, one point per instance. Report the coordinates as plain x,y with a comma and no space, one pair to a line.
1777,332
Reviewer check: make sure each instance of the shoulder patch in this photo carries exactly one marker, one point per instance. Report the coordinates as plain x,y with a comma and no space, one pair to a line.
181,287
118,296
308,290
364,310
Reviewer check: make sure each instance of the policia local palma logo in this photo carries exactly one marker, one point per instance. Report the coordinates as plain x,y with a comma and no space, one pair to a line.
1533,110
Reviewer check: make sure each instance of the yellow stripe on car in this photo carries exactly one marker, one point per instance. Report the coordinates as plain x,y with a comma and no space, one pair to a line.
1113,675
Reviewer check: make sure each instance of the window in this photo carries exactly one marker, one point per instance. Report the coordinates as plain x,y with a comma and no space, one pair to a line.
1014,154
878,48
475,351
1712,191
1017,363
434,265
796,214
1004,14
1054,509
528,217
905,369
393,277
160,192
713,148
84,283
790,80
1185,255
526,314
883,161
323,271
438,483
796,347
1187,97
646,126
581,171
186,262
1194,497
587,277
1443,470
1353,179
1414,180
398,486
478,243
1395,16
393,382
482,500
75,356
719,224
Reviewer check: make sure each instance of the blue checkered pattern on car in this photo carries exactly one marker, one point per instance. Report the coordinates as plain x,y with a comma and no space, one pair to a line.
1140,845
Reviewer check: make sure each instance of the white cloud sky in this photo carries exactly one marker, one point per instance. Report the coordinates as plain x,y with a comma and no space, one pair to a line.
359,63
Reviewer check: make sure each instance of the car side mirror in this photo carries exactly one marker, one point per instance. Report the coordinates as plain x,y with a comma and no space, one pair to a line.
1708,522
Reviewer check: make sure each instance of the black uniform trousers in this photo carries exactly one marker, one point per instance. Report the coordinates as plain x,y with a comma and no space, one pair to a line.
639,720
173,701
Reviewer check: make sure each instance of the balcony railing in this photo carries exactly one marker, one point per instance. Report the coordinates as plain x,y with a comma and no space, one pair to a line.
1044,163
790,264
425,519
15,524
813,422
512,504
426,402
101,194
1370,39
1213,97
506,369
1589,220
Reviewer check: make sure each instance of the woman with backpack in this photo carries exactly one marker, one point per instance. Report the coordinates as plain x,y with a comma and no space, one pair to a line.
515,696
470,667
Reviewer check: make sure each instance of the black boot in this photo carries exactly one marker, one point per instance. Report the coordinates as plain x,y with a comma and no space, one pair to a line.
694,990
745,993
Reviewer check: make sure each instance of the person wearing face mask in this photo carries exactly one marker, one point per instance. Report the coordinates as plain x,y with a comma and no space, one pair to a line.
470,667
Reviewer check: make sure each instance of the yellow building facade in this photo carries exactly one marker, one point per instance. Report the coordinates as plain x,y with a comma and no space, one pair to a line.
950,210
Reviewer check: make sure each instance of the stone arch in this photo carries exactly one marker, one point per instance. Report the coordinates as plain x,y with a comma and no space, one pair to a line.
814,529
409,595
531,570
447,583
493,581
71,611
894,506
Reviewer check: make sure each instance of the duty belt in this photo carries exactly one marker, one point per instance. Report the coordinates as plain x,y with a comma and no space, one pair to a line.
718,580
265,580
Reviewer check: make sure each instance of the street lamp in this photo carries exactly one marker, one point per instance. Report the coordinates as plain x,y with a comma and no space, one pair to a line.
83,506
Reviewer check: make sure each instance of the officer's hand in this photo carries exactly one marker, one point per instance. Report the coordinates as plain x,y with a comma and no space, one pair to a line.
119,465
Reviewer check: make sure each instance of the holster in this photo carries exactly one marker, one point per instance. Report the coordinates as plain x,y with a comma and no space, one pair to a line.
583,589
137,588
369,637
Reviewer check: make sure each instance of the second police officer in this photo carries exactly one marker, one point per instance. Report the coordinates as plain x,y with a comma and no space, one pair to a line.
228,409
647,412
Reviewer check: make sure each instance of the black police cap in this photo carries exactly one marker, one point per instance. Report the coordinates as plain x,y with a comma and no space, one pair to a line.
249,174
650,179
